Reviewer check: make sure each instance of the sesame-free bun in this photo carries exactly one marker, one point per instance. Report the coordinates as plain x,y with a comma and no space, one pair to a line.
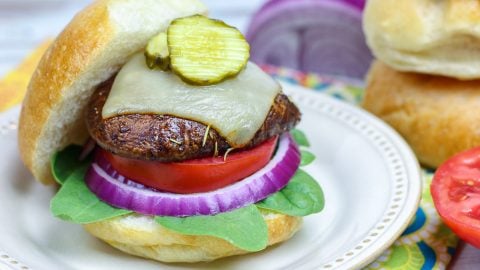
92,47
437,116
142,236
427,36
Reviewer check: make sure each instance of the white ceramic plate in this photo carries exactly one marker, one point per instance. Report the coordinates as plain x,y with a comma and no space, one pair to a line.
370,178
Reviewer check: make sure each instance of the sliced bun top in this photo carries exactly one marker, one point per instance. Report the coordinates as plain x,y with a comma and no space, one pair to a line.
428,36
93,46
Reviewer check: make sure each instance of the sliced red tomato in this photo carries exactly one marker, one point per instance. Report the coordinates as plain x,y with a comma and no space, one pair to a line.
456,194
197,175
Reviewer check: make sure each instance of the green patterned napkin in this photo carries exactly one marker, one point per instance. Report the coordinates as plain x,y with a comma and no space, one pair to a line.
427,243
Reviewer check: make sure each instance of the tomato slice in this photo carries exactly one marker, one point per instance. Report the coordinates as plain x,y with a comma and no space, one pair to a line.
456,193
197,175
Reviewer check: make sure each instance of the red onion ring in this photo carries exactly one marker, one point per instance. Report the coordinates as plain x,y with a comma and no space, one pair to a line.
360,4
311,35
117,191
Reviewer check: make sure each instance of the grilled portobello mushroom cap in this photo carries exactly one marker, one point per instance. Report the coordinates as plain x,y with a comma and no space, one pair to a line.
168,138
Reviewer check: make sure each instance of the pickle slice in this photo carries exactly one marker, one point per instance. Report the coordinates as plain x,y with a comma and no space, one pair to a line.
156,52
204,51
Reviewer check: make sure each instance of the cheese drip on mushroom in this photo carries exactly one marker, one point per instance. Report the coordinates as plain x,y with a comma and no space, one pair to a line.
236,108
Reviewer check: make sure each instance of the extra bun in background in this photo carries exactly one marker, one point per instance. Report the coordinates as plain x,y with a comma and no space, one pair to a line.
433,37
438,116
142,236
96,43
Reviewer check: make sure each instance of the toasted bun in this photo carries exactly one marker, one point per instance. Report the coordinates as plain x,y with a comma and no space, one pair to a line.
142,236
88,51
429,36
437,116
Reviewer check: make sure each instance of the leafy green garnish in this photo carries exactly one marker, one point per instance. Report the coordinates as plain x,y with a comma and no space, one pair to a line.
244,227
65,162
301,197
307,158
300,137
76,203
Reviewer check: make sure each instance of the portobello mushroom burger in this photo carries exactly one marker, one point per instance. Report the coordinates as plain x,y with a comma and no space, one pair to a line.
166,142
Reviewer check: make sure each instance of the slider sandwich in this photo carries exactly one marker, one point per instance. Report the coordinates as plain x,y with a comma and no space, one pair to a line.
166,142
425,82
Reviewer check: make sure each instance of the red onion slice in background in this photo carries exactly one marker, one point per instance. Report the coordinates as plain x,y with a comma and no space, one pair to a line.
117,191
359,4
322,36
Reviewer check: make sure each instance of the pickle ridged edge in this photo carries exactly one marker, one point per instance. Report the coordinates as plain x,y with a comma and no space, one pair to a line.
156,53
206,51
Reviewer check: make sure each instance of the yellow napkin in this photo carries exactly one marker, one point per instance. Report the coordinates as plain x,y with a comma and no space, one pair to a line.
14,85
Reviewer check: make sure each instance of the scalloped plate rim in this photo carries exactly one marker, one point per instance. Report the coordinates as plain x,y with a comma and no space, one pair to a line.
362,256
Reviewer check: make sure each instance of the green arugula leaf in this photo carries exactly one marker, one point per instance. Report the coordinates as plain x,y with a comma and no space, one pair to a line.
65,162
300,137
301,197
76,203
307,158
244,227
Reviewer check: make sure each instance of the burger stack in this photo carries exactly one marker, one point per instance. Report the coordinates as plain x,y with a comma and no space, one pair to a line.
425,83
186,145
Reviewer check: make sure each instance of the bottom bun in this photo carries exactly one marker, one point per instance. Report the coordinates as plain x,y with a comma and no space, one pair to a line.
437,116
142,236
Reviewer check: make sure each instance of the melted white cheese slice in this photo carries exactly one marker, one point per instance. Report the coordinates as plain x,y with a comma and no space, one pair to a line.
235,108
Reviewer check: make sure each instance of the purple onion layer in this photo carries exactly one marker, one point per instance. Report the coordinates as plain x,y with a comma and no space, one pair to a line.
116,190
